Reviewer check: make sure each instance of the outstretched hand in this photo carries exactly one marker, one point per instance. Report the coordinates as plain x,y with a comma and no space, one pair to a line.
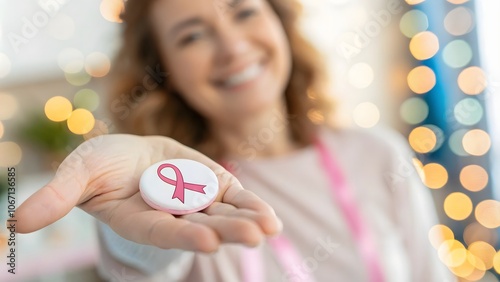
102,177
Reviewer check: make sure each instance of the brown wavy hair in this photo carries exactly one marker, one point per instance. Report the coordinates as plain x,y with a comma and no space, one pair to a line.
144,103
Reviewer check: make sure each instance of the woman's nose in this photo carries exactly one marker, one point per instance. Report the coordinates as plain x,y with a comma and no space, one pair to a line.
232,42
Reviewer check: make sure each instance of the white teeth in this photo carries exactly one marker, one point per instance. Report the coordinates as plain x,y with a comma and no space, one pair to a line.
246,75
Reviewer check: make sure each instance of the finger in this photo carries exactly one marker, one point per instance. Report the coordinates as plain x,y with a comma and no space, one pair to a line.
244,199
55,199
134,220
232,211
230,229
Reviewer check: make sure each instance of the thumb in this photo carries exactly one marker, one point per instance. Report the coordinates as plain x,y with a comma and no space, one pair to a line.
56,199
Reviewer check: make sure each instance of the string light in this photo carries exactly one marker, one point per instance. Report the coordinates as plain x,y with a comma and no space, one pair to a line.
421,79
81,121
11,154
58,108
458,206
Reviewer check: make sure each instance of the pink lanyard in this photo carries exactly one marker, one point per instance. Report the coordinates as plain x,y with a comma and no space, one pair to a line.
289,258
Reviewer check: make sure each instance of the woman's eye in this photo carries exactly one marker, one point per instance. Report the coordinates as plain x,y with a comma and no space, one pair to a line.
246,14
186,40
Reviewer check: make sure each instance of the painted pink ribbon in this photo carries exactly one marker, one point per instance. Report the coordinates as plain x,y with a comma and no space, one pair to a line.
179,183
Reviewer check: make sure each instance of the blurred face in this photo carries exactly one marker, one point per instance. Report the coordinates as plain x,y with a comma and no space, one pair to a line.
229,59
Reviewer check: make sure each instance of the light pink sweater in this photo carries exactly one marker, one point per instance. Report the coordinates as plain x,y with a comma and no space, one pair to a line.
391,197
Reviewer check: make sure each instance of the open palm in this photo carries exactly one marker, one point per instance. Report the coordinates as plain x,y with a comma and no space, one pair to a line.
102,177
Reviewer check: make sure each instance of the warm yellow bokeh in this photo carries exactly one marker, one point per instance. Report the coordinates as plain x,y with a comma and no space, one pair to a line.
8,106
10,154
414,2
436,175
483,251
440,233
81,121
58,109
458,206
458,2
476,142
496,262
422,139
472,81
474,178
488,213
467,267
452,253
97,64
111,10
424,45
421,79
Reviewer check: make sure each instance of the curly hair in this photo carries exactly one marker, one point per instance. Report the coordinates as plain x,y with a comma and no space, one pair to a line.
144,103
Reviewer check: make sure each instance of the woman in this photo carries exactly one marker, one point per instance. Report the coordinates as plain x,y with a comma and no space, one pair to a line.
235,81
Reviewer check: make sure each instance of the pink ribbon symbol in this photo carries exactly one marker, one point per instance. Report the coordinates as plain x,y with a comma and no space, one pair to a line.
179,183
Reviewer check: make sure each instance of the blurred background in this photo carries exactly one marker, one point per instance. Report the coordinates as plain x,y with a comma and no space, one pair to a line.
429,69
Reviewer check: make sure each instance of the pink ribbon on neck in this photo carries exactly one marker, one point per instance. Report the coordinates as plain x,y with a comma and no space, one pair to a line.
179,183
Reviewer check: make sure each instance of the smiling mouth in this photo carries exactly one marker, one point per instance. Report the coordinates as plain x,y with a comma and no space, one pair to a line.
246,75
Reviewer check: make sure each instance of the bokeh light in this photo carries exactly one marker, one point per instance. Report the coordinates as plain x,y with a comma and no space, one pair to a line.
477,232
436,176
457,53
424,45
440,233
484,251
421,79
366,115
316,116
414,2
472,80
476,142
456,144
496,262
440,136
5,65
361,75
474,178
488,213
81,121
97,64
459,21
8,106
111,10
58,108
468,111
413,22
465,268
71,60
458,206
422,139
78,79
457,2
414,110
452,253
86,99
11,154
